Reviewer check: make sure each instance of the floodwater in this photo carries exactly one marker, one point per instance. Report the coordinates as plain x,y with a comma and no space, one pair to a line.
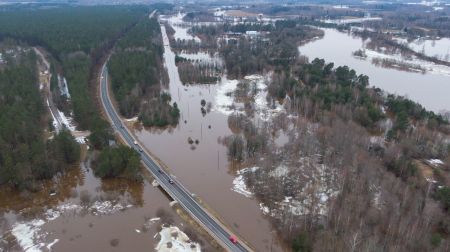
86,214
77,211
204,167
430,90
182,34
439,48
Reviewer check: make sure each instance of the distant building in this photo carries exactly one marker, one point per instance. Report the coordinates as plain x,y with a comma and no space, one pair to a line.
252,34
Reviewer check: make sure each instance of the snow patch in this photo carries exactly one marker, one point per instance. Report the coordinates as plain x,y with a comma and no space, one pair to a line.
224,96
50,245
435,162
350,20
81,139
30,236
314,196
107,207
66,121
63,87
133,119
239,185
174,240
429,67
265,110
54,121
264,208
280,171
27,233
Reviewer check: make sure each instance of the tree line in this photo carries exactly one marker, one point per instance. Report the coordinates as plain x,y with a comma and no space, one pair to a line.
366,144
78,38
274,47
138,75
26,155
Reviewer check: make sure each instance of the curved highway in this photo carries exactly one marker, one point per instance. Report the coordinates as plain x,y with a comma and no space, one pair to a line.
166,181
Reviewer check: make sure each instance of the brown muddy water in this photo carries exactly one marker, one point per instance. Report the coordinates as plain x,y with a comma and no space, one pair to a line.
204,167
79,212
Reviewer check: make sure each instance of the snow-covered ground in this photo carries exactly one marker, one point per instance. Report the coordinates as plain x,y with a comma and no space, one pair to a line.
225,99
438,48
61,120
351,20
63,87
203,58
239,185
319,186
219,13
67,121
430,67
280,171
435,162
172,239
315,194
55,122
133,119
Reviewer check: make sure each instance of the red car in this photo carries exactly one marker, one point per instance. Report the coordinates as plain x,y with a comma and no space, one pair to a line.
233,239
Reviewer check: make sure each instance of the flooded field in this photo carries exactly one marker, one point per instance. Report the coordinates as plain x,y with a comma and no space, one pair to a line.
439,48
204,167
430,89
79,212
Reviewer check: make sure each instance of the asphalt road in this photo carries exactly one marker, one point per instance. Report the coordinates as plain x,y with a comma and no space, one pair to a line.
177,191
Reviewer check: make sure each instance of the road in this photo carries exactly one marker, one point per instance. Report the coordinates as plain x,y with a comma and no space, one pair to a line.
152,14
44,79
176,190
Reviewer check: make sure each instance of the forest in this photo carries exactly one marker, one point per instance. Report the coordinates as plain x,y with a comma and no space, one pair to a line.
353,174
197,72
77,38
68,29
119,161
138,76
352,170
26,155
274,47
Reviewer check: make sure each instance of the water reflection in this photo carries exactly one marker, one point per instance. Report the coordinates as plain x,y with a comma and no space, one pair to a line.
204,167
431,90
78,211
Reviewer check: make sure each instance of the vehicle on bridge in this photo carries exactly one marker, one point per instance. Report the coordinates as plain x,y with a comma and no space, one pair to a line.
233,239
